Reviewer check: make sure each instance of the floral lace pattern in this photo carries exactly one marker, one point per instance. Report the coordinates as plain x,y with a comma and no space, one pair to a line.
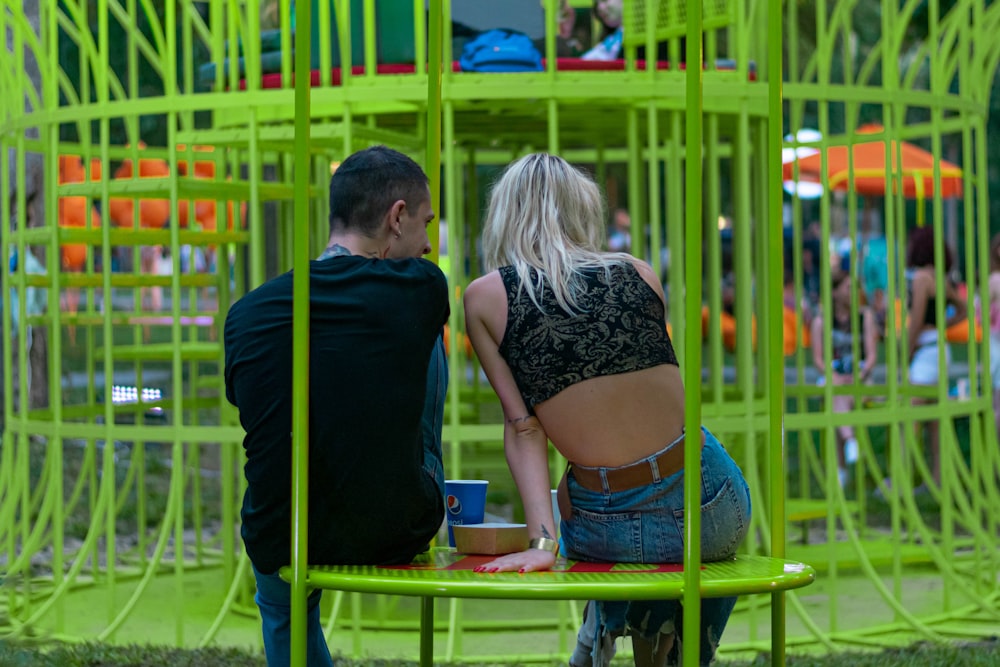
620,327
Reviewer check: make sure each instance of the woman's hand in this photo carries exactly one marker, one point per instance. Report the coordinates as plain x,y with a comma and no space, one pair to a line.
529,560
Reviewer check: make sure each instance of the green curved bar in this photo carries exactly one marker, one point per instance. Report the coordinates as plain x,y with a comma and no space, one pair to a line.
427,578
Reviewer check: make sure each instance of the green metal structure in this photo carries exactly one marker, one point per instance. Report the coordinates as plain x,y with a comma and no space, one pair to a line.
125,504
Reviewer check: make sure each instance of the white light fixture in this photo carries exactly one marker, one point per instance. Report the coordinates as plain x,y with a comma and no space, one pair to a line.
802,189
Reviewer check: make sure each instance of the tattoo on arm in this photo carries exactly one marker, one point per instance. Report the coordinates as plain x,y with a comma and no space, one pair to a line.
545,533
518,420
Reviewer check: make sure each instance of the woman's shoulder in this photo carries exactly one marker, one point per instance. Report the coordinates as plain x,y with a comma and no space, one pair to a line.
487,287
491,278
923,277
642,266
645,271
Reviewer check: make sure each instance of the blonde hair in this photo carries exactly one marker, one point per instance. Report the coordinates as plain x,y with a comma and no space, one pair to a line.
547,215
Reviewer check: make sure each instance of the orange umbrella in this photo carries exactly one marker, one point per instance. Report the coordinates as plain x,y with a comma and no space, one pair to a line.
916,170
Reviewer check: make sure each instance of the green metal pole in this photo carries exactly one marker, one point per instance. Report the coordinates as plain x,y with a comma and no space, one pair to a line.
432,161
433,152
300,337
177,449
634,167
692,334
102,86
776,372
713,199
427,621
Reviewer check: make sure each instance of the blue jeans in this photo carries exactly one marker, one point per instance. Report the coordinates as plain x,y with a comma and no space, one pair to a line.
274,598
646,525
274,595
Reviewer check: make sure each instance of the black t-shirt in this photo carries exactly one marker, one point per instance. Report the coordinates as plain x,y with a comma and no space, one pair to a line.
620,328
373,324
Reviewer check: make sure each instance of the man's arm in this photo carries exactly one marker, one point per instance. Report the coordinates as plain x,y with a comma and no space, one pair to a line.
432,419
228,333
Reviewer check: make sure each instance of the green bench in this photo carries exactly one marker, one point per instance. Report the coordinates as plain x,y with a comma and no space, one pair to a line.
446,574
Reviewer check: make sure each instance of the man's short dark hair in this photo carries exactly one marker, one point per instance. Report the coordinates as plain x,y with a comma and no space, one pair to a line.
367,184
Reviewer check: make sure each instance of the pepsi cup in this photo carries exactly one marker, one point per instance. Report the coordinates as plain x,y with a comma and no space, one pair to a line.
465,503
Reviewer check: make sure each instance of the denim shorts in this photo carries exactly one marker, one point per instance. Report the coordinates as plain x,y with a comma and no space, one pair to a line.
924,365
646,525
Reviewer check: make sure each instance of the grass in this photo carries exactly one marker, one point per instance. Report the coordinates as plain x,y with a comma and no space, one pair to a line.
979,654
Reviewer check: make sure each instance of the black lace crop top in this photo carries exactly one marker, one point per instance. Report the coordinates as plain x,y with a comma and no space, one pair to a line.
620,327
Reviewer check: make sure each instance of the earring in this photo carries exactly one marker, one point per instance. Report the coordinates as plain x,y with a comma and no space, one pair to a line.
398,235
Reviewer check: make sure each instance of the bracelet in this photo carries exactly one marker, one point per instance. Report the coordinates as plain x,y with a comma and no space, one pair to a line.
544,543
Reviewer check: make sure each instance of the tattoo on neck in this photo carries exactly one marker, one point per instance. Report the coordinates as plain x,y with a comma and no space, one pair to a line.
335,250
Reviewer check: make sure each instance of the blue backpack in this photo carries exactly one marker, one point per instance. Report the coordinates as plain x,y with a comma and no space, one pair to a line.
500,50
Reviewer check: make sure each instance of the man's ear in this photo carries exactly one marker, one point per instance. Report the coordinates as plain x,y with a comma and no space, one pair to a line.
395,211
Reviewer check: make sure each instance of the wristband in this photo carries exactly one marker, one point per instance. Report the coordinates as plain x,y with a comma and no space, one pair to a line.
545,544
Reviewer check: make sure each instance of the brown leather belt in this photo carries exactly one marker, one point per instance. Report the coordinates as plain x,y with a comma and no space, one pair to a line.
633,475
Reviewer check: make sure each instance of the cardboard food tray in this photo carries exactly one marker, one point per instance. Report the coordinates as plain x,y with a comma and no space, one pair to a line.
492,539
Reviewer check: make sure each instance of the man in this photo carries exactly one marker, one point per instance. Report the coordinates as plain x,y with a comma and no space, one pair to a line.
375,404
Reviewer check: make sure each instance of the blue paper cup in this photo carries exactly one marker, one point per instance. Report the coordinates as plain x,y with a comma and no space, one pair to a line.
465,503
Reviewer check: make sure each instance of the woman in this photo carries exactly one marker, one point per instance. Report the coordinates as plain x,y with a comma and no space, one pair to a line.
842,336
994,285
922,334
573,340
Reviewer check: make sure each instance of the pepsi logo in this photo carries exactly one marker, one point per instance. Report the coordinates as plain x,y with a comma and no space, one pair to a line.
454,505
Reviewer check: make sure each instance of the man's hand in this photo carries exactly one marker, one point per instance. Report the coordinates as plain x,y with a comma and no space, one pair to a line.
529,560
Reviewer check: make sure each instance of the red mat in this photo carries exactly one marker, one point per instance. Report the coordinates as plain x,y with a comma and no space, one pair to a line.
472,562
275,80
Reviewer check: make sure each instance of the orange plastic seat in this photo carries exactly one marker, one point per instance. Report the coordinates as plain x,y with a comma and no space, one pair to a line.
727,324
73,211
467,343
205,213
73,256
71,169
202,168
789,332
204,210
959,332
153,213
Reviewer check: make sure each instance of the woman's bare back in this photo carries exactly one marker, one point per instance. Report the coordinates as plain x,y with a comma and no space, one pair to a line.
618,419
